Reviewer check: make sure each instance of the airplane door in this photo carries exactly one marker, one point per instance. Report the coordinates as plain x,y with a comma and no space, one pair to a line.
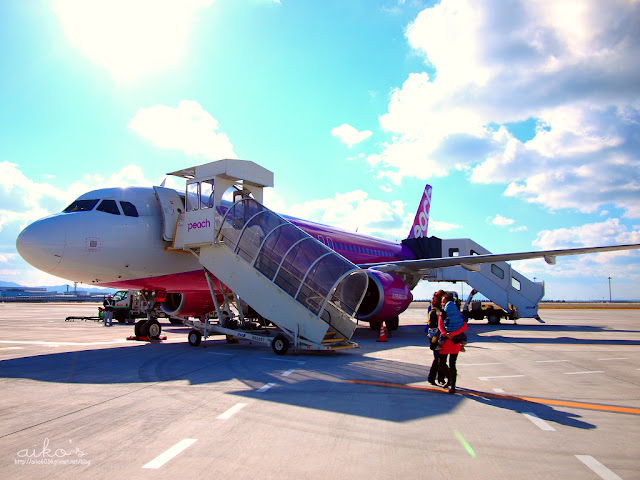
171,206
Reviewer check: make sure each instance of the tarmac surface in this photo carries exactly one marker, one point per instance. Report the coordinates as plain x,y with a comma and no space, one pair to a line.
535,401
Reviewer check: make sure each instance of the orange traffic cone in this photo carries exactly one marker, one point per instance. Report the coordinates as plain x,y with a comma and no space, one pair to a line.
383,334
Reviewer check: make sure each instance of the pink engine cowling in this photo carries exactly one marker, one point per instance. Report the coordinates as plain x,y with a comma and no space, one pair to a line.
190,304
387,297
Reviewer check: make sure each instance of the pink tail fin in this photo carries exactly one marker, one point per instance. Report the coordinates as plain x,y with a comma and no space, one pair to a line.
421,222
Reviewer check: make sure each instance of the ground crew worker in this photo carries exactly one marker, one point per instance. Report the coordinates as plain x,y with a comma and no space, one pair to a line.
108,311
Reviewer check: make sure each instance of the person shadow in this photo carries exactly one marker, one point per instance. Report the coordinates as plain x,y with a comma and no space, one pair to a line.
526,406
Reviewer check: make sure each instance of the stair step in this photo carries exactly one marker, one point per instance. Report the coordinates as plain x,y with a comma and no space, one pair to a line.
333,339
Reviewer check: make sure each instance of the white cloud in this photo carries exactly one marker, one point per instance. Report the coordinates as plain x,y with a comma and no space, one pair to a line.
571,65
24,200
500,221
620,265
609,232
129,38
188,128
350,135
438,227
350,211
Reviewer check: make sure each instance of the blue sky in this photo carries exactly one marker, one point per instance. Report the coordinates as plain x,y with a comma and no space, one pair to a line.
523,115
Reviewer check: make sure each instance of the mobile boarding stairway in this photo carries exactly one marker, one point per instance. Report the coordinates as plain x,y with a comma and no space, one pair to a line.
498,281
253,256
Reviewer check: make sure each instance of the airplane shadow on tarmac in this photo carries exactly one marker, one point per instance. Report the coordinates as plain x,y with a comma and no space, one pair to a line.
481,333
325,382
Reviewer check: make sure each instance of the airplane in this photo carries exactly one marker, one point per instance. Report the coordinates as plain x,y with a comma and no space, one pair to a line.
113,237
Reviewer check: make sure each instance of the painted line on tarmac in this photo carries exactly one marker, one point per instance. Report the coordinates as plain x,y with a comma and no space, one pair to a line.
57,344
583,373
550,361
598,468
474,393
229,413
498,390
11,348
282,360
613,358
501,376
538,422
164,457
478,364
288,372
266,387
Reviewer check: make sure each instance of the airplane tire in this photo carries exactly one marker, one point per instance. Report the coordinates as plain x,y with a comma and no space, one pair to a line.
153,329
280,344
194,337
138,328
375,326
393,323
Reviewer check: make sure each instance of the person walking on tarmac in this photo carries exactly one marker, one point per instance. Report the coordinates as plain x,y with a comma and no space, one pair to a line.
108,311
450,324
434,333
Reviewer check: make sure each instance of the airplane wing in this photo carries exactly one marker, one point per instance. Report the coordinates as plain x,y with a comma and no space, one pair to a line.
473,262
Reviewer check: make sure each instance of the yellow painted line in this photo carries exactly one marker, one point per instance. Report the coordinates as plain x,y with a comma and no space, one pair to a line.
471,393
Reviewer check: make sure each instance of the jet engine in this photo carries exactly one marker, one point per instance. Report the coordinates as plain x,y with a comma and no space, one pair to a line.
387,297
190,304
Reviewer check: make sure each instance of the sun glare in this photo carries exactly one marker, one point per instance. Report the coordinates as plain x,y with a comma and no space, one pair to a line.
130,38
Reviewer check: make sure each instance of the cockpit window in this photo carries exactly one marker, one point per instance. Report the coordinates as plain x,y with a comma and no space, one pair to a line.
81,206
129,209
109,206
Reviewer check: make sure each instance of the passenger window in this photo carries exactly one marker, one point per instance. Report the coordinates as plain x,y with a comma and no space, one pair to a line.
206,194
129,209
515,283
192,197
454,252
109,206
497,271
81,206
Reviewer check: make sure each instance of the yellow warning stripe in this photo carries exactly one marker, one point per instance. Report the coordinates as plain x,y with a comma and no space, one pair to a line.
543,401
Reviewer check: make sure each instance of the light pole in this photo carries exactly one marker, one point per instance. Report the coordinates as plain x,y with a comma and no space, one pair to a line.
609,289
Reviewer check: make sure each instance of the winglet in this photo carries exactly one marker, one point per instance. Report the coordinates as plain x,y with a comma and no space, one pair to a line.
421,222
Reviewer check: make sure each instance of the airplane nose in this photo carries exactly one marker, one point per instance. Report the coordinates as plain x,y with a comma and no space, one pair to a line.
42,243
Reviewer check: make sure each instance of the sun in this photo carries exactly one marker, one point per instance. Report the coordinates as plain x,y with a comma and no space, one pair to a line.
129,38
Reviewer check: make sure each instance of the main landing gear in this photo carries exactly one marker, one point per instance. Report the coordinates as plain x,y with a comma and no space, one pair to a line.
148,328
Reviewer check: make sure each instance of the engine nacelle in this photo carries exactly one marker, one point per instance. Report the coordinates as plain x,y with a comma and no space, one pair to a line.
387,297
188,304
